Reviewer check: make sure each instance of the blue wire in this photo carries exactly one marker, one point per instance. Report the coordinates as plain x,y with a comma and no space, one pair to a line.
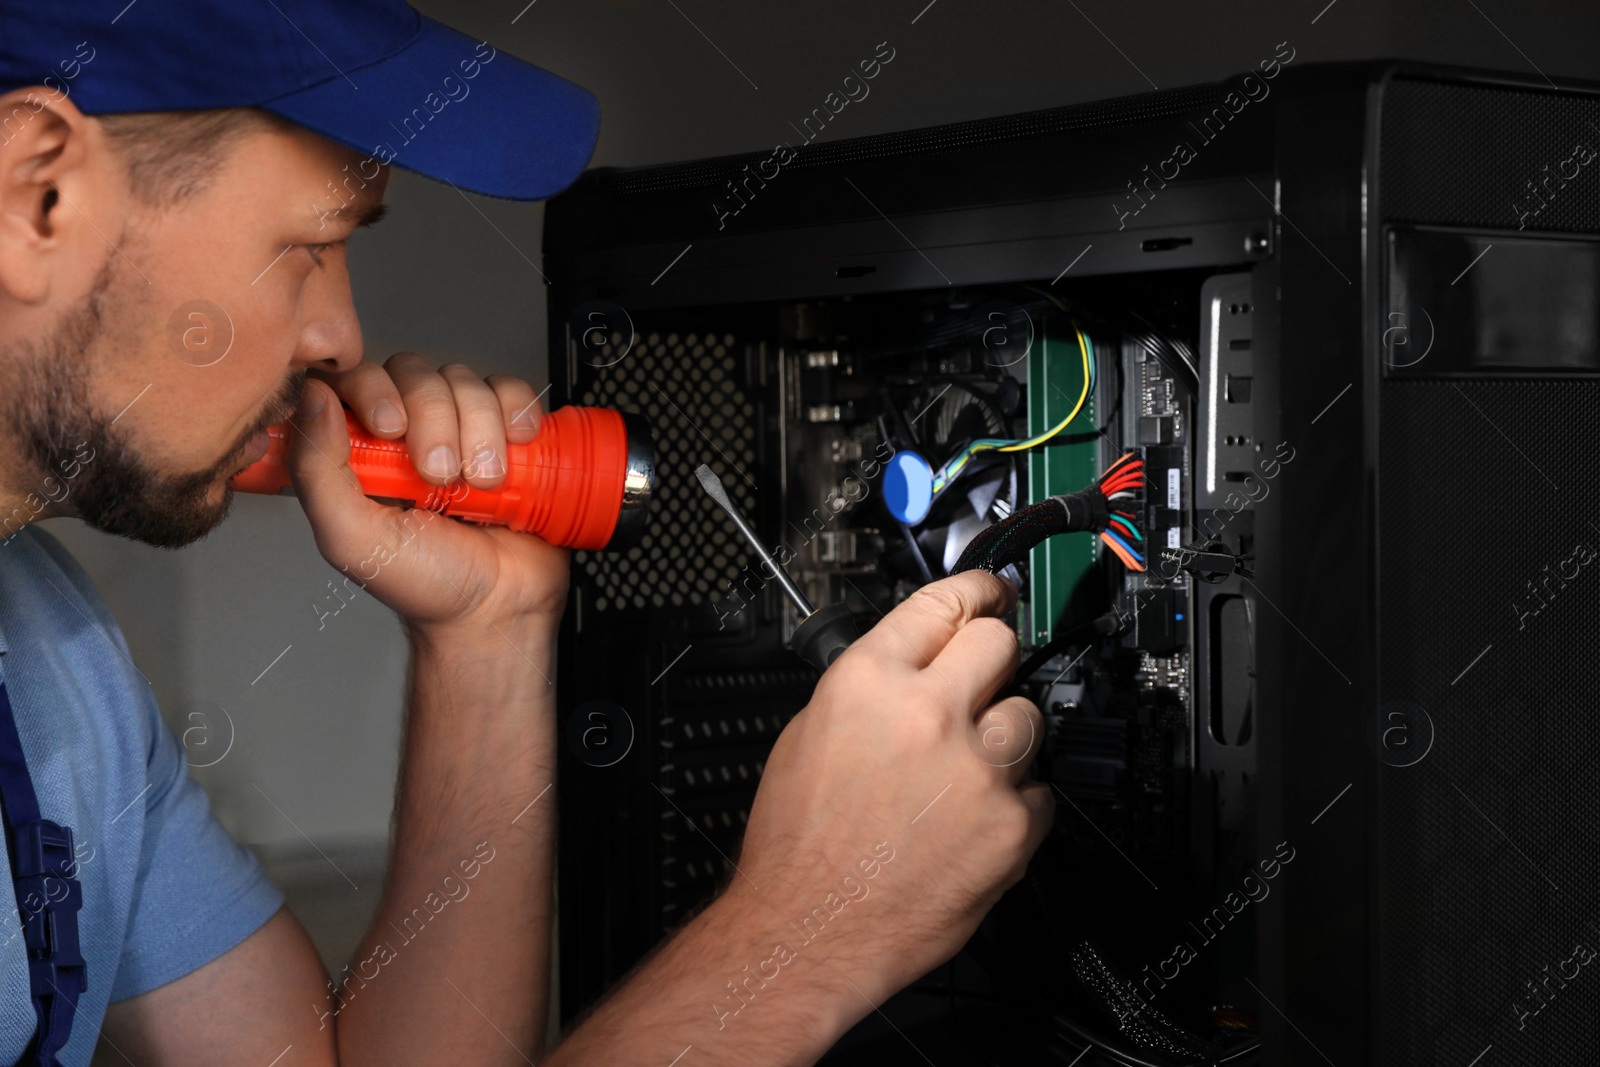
1111,534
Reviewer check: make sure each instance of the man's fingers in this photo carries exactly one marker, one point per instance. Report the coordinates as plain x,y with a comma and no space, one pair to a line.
373,398
319,454
979,660
482,426
433,434
519,403
454,422
918,629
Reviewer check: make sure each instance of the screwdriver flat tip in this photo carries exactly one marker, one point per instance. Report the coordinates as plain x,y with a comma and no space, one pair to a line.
713,485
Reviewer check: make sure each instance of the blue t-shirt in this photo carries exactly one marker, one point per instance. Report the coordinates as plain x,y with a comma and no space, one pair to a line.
165,889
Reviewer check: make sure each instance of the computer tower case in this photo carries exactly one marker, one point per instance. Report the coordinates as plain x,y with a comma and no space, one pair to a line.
1330,798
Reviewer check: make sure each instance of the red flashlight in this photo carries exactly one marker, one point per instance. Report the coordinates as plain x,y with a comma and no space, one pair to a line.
585,481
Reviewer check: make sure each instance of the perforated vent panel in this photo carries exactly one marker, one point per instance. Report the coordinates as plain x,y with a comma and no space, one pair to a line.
1477,155
714,742
1489,848
688,387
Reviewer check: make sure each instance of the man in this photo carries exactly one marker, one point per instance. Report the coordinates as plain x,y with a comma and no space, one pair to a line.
160,161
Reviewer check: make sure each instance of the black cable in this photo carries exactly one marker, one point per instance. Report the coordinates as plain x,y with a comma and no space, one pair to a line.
1089,509
1009,541
916,552
1107,625
1179,351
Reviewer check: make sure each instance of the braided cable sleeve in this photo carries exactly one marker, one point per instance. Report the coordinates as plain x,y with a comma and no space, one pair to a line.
1010,541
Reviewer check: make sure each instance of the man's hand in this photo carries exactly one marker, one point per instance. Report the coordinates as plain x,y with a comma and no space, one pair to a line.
891,816
434,572
903,745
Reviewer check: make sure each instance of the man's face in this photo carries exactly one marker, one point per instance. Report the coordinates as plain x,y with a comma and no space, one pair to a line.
191,335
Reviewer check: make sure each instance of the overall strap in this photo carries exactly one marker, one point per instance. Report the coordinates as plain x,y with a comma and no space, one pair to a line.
43,866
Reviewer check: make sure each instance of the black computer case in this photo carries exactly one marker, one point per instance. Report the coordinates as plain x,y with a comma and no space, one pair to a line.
1384,276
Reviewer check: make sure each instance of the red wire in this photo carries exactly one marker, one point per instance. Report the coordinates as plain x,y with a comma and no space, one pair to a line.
1123,470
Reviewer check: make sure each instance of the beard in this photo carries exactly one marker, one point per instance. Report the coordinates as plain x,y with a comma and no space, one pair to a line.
49,412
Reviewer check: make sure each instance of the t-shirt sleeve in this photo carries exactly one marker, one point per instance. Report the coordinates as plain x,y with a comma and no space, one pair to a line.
199,892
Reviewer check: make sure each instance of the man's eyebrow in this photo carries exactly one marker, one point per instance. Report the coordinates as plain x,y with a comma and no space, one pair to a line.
367,216
373,214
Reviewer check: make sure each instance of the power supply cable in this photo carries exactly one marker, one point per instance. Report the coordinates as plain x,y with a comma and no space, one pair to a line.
1116,496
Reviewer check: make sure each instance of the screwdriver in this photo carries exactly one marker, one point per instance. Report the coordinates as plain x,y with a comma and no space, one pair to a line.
822,634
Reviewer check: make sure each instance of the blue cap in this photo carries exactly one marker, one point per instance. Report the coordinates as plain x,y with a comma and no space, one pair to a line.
373,75
908,487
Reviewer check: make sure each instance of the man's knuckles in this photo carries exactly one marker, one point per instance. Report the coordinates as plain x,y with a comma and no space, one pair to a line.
938,602
987,641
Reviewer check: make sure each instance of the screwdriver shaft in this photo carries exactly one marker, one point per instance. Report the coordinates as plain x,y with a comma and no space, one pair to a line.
713,487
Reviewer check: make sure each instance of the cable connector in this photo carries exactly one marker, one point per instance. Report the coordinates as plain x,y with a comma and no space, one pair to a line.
1106,508
1210,562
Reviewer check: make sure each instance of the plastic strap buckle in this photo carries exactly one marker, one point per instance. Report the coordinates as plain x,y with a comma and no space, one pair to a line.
49,898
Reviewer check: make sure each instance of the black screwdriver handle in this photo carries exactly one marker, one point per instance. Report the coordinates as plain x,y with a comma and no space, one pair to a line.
824,634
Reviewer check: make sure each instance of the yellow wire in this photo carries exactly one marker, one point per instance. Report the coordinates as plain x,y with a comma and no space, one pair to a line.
939,482
1062,425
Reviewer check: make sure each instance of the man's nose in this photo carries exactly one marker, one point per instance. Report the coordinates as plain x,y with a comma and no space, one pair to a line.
331,337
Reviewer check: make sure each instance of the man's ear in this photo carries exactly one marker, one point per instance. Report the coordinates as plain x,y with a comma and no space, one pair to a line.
46,184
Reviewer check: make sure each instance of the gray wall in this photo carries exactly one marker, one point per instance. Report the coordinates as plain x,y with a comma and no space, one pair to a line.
314,740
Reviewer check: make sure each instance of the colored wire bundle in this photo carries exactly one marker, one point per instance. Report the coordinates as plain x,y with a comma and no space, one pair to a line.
1122,485
1107,508
952,469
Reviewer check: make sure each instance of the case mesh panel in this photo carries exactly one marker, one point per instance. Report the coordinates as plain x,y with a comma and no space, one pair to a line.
687,388
1489,848
1465,155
